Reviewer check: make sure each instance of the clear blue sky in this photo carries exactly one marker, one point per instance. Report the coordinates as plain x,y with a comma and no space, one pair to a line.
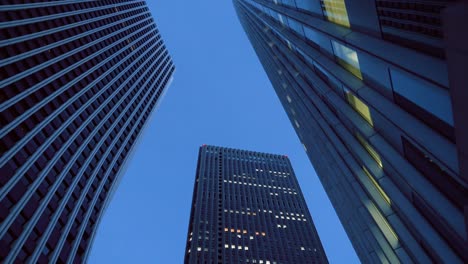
220,96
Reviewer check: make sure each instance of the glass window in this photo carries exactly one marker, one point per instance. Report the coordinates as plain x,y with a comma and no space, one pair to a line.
370,149
289,3
428,96
311,6
377,185
296,27
347,58
335,11
359,106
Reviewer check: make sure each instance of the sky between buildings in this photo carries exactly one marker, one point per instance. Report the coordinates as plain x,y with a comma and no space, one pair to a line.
220,96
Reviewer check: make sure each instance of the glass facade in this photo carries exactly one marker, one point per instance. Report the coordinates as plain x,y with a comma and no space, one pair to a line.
368,94
78,82
248,208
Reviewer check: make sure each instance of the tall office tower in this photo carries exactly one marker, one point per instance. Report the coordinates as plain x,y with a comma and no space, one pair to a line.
79,80
248,208
366,86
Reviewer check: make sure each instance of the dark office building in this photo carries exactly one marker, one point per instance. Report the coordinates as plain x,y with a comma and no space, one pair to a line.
248,208
78,82
376,91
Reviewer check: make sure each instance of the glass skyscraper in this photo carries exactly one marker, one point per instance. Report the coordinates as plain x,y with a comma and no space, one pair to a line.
377,102
248,208
78,82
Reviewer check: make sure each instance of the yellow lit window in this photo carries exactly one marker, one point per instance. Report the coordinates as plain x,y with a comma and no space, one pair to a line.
377,185
370,149
347,58
335,11
359,106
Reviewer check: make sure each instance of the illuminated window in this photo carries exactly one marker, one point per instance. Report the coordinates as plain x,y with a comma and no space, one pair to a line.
297,124
370,149
226,246
377,185
246,248
302,248
288,98
198,248
359,106
226,229
347,58
335,11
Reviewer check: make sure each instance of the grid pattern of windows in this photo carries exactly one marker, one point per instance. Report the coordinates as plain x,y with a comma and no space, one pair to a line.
78,81
381,143
248,208
416,24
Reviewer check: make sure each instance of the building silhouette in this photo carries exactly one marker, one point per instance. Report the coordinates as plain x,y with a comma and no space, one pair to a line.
248,208
377,101
79,81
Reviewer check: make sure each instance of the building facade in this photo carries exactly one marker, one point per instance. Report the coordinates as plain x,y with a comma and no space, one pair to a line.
248,208
368,88
79,80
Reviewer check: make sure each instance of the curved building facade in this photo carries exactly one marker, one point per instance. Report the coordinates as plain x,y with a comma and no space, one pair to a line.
376,100
79,81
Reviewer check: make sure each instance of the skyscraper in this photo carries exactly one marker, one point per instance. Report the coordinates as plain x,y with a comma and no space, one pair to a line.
79,81
248,208
369,90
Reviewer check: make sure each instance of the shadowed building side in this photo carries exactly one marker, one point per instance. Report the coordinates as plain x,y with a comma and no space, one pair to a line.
366,87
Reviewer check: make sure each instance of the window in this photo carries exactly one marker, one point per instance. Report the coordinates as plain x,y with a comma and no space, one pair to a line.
347,58
335,11
426,101
377,185
296,27
370,149
311,6
437,175
359,106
